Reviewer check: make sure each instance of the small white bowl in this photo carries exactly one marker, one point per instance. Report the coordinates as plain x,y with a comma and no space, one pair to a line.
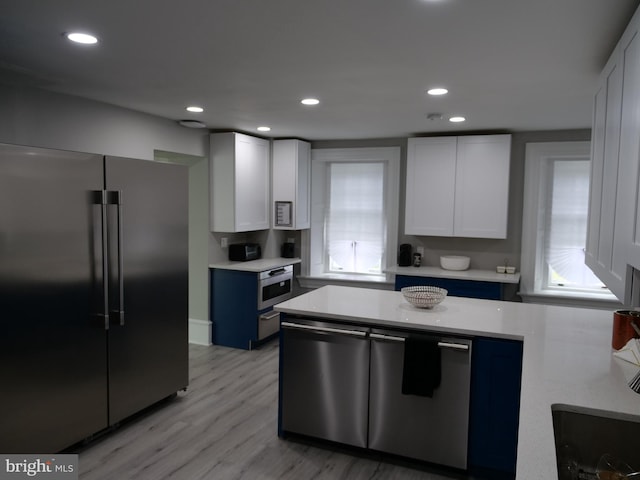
424,296
510,270
454,262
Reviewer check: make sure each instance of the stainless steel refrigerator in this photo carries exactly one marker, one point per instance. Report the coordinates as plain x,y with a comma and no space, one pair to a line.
93,293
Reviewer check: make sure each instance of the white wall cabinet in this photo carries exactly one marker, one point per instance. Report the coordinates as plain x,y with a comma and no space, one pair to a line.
613,235
291,183
458,186
239,182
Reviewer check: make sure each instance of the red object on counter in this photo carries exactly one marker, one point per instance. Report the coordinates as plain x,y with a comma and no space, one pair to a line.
623,331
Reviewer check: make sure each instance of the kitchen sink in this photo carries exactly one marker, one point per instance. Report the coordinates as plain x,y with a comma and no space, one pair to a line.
583,436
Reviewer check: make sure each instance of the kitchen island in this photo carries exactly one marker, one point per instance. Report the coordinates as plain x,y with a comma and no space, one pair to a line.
566,355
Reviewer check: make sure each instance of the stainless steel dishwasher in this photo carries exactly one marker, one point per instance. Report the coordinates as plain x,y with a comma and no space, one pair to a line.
432,429
325,378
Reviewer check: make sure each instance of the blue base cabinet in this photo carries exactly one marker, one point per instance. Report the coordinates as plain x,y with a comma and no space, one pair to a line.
455,287
495,406
234,308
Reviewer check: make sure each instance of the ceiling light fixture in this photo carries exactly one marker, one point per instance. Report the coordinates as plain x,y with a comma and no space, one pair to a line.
310,101
195,109
457,119
264,129
437,91
83,38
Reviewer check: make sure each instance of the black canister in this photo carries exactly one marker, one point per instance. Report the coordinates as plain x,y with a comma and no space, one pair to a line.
288,250
404,255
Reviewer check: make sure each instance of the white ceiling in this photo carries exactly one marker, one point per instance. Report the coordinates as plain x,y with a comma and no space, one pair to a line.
509,64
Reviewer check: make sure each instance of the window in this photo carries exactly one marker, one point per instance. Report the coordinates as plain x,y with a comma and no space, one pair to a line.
354,221
554,231
354,210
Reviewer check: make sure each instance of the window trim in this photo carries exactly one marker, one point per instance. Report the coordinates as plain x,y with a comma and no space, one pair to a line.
312,246
538,158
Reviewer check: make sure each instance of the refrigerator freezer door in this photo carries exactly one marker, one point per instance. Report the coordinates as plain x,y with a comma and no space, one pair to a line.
52,338
148,334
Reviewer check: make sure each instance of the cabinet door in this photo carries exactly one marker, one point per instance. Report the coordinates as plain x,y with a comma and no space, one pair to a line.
495,404
291,181
602,254
627,246
303,187
482,186
234,308
252,184
430,186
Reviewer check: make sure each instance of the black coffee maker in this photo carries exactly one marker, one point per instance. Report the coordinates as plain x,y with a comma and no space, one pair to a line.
405,258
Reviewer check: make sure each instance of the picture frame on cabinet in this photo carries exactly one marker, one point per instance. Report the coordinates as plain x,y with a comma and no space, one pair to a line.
283,214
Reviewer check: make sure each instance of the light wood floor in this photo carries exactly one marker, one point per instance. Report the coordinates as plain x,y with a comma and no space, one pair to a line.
225,427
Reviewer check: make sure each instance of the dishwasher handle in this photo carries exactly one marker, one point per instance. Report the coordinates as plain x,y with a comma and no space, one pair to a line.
318,329
393,338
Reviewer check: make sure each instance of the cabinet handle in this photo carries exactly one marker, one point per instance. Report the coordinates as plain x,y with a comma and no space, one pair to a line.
377,336
299,326
457,346
269,315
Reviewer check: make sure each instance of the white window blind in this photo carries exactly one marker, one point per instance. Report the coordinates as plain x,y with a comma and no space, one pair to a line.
355,220
566,226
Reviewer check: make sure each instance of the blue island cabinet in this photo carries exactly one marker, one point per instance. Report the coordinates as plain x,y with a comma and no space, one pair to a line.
495,406
234,308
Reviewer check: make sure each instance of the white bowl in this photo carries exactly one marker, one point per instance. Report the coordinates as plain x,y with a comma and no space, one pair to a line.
424,296
454,262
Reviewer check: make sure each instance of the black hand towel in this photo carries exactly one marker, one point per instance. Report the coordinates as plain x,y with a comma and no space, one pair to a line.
421,373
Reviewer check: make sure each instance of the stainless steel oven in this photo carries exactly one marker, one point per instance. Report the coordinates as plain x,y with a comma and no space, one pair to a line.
275,286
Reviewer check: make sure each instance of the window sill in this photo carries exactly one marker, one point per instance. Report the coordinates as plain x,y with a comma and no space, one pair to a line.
571,299
379,282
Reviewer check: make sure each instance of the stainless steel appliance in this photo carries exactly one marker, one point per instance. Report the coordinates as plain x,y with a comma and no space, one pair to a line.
243,252
275,286
326,381
344,383
432,429
93,293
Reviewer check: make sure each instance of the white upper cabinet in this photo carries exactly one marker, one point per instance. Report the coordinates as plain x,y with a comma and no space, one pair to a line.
239,171
291,184
613,235
458,186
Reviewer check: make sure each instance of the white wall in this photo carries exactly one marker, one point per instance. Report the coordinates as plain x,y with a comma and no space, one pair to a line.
44,119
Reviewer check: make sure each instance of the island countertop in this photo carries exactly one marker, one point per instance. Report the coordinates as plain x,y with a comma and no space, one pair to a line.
567,355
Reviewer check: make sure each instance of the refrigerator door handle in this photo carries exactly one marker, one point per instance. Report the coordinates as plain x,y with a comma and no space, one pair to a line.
100,198
115,198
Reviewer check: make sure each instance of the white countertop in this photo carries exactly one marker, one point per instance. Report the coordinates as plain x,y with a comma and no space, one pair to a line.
256,265
566,356
475,275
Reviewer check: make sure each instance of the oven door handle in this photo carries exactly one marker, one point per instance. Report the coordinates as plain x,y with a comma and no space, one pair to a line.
279,271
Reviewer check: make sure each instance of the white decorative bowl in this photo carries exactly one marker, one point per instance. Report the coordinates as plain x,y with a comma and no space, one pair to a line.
454,262
424,296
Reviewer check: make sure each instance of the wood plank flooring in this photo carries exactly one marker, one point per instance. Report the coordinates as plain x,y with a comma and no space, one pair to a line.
225,427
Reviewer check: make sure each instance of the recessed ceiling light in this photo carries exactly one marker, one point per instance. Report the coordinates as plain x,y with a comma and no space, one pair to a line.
83,38
437,91
195,109
310,101
457,119
264,129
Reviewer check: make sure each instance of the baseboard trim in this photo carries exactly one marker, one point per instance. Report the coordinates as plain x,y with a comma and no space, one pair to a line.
200,331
